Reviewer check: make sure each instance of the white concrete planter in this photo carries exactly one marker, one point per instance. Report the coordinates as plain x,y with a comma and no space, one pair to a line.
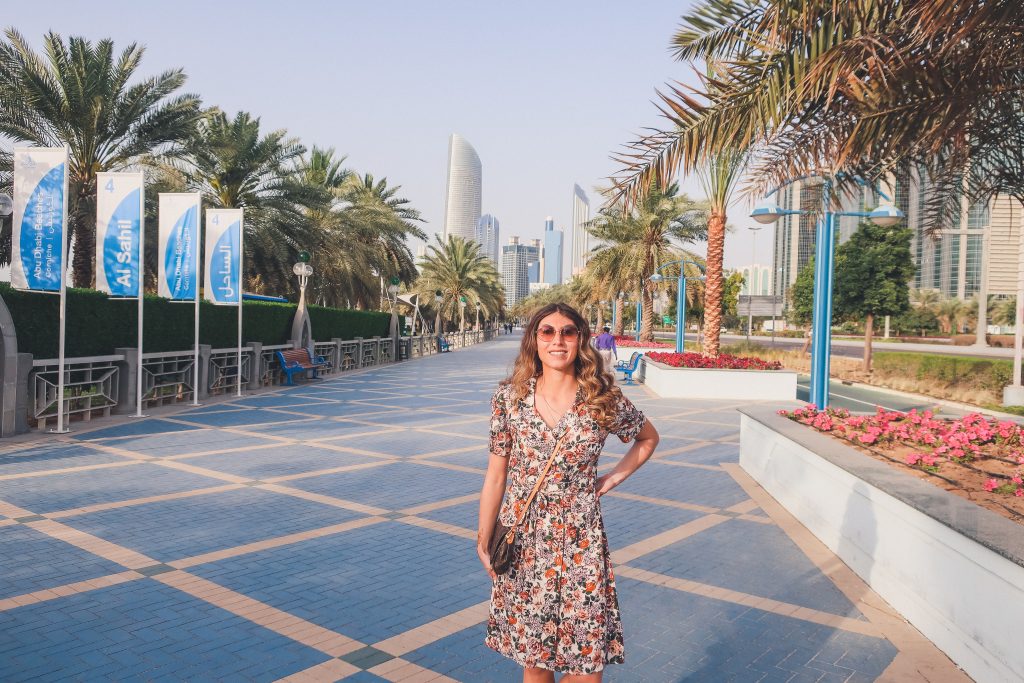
626,352
751,385
952,568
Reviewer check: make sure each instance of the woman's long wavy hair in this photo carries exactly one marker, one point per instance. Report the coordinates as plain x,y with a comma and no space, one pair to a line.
598,387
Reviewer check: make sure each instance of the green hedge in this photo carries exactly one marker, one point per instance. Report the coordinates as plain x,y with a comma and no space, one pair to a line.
979,373
97,324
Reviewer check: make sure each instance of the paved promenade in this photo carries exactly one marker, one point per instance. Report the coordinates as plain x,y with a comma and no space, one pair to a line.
326,532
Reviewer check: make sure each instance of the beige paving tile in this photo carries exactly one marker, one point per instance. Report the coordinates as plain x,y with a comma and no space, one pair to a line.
918,655
180,495
331,670
290,626
277,542
65,470
665,538
93,544
68,589
434,630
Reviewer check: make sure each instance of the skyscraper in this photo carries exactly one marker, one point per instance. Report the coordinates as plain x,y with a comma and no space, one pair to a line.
462,197
487,236
515,264
580,236
534,255
552,253
952,264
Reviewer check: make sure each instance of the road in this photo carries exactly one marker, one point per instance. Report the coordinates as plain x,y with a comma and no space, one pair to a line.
859,398
855,349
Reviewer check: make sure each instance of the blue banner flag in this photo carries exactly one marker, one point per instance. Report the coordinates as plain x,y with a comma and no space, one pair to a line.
119,233
178,276
39,237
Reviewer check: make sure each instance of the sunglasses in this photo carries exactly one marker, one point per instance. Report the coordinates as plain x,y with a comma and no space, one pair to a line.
547,333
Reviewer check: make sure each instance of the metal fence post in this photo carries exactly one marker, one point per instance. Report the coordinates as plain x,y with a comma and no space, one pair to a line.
255,365
127,376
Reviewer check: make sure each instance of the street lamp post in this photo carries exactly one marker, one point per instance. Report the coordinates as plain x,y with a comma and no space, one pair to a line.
462,314
821,324
438,300
680,297
301,331
476,326
754,273
639,311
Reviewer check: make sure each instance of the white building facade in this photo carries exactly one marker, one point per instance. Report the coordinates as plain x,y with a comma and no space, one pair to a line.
463,193
580,236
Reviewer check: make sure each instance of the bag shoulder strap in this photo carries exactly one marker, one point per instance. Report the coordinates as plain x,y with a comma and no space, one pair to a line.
540,480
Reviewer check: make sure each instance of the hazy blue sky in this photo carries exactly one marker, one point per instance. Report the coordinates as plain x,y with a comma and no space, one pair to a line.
544,91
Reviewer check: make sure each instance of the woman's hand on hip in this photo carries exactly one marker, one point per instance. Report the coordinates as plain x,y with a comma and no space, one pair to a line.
607,482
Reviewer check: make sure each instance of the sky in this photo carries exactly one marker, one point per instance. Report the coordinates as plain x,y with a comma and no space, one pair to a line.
544,91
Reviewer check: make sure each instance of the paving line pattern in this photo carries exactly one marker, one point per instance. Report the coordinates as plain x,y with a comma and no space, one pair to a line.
326,532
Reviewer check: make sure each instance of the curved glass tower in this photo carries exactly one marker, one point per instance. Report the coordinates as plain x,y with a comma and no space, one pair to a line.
462,198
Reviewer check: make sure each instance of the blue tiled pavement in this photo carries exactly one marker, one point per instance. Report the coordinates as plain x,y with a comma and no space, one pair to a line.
360,450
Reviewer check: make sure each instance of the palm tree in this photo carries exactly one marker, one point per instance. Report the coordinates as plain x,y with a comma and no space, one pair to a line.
457,268
718,177
638,239
926,299
952,313
852,86
234,165
78,95
1004,311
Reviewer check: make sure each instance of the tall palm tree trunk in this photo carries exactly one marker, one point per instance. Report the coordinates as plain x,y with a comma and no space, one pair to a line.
646,313
600,317
618,318
83,223
714,284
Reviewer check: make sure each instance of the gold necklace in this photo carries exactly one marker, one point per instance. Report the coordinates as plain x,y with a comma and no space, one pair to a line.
548,404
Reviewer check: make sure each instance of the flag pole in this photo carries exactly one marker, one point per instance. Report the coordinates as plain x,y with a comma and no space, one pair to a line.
195,275
241,290
61,429
139,373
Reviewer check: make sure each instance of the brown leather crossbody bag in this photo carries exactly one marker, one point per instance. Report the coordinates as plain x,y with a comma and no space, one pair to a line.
503,538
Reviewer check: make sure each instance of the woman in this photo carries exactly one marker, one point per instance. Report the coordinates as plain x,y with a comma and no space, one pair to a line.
556,608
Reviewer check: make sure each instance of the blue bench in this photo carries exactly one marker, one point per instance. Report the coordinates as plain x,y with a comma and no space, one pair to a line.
300,360
628,368
442,344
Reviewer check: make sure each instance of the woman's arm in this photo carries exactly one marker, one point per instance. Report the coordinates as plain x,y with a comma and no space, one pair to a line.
638,454
490,501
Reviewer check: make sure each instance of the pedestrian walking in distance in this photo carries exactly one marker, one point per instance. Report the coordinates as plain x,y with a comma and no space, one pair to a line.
605,345
554,606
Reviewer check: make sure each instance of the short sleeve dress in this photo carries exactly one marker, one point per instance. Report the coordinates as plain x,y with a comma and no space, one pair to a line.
556,608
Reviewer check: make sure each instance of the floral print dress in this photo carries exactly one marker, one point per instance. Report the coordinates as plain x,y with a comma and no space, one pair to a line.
556,608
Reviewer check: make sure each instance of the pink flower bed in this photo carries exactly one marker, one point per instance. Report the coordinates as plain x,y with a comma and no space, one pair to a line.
722,362
978,458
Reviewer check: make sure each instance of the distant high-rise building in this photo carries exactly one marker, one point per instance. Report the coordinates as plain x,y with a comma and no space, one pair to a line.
487,236
462,197
552,253
580,236
535,251
951,265
515,265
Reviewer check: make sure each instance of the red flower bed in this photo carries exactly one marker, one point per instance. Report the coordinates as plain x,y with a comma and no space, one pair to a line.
975,457
628,342
722,362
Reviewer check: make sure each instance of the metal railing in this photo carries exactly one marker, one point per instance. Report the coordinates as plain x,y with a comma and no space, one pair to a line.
168,377
222,370
270,367
90,385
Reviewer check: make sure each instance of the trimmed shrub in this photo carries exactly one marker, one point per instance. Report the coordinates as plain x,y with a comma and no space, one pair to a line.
98,324
946,370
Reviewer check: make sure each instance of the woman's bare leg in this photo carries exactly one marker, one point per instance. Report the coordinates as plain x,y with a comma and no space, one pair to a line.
582,678
538,675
